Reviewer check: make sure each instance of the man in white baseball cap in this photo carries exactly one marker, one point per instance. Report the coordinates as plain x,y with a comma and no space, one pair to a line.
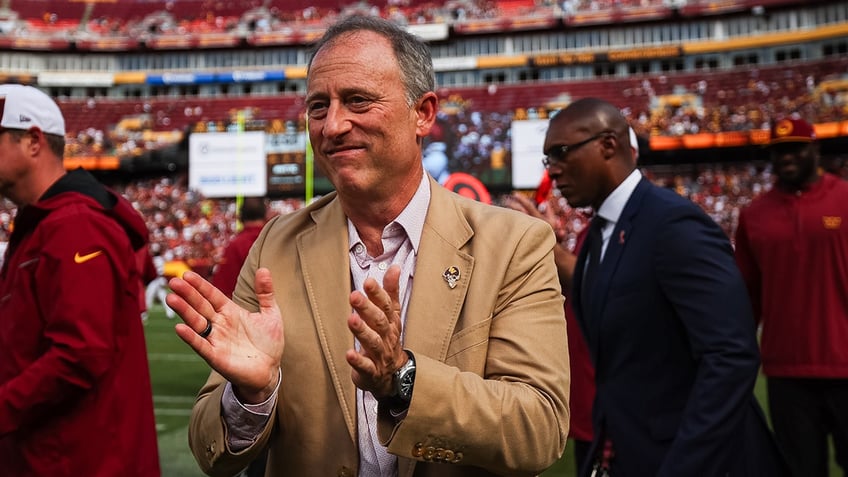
74,378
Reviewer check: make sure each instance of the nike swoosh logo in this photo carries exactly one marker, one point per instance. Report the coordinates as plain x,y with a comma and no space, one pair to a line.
84,258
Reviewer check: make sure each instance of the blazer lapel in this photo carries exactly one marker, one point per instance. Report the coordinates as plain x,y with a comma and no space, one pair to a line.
327,242
612,256
434,306
615,248
609,264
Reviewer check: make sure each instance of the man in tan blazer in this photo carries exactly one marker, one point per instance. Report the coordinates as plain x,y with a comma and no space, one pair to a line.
329,356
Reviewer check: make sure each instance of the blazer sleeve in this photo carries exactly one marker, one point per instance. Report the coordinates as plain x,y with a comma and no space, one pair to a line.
696,270
207,436
512,417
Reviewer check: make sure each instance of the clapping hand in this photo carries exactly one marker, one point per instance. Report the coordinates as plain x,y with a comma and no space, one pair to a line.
245,348
376,323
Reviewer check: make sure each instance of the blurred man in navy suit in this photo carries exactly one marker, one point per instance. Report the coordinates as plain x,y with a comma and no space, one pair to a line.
664,312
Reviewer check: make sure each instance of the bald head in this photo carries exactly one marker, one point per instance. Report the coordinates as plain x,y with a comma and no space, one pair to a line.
593,115
588,150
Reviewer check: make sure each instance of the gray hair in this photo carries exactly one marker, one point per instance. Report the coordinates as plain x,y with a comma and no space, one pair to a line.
411,53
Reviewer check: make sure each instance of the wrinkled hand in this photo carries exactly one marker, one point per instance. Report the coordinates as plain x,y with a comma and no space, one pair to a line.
245,348
375,322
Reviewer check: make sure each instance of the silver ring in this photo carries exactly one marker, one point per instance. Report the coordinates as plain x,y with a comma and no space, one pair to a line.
207,331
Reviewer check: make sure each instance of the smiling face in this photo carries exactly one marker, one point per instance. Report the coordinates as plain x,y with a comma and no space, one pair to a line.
365,135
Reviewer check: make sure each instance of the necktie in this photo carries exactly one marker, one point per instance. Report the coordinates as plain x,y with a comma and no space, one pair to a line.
594,240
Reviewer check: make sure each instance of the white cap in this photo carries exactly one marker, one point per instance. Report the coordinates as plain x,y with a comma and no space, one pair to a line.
22,107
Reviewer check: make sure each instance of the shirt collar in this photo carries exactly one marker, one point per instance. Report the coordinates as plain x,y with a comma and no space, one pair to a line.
411,218
612,207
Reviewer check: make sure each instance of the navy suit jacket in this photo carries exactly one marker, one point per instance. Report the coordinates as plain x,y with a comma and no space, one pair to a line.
670,330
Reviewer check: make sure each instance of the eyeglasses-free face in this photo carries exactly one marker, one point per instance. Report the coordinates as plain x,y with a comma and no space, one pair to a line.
556,155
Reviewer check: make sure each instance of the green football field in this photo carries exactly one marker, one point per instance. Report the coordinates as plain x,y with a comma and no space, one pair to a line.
177,373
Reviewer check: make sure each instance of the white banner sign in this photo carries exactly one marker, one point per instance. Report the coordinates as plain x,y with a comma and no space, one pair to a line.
228,164
527,139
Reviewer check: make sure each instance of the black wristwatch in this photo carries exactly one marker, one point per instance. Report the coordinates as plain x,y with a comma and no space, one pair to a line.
404,379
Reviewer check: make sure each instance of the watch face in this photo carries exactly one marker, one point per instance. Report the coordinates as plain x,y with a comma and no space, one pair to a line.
405,384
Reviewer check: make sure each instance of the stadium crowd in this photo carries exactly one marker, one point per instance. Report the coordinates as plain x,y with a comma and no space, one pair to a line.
673,104
195,229
186,225
244,17
477,138
670,106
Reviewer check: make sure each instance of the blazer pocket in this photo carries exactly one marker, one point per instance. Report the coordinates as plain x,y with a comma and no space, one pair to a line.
467,349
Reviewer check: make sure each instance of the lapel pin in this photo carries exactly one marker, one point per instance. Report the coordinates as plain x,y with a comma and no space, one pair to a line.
621,238
451,276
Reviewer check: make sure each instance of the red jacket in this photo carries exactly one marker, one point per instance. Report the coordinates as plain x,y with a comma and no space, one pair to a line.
227,270
792,250
75,395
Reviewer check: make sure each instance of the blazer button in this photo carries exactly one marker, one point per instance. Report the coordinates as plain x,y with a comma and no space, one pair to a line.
418,450
210,449
439,455
344,471
428,453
